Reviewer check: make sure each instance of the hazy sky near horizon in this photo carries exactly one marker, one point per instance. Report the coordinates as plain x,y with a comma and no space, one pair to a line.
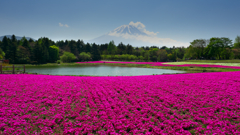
180,20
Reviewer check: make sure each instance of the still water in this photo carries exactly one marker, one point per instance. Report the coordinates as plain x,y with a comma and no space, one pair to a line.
101,70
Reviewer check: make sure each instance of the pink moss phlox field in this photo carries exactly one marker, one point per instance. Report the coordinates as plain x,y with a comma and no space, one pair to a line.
167,65
201,103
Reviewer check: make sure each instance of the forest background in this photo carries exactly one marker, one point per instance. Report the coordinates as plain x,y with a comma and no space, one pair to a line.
44,50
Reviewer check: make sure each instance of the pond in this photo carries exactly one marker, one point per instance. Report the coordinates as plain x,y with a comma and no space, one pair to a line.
100,70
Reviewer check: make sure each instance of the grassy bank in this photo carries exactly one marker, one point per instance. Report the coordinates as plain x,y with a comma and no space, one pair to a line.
50,64
211,62
190,69
215,61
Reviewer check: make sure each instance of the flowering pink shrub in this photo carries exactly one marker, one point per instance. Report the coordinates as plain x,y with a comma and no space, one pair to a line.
201,103
167,65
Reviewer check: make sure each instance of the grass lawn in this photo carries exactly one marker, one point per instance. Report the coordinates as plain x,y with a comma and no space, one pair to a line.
212,62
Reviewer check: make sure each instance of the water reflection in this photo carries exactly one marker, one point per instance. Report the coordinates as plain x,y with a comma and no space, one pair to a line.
101,70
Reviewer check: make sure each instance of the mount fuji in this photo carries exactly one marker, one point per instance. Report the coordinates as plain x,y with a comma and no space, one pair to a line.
127,29
136,35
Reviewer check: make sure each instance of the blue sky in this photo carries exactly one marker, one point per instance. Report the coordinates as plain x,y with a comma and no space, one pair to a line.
180,20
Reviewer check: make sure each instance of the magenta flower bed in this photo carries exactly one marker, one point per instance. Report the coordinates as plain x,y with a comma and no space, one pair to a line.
167,65
201,103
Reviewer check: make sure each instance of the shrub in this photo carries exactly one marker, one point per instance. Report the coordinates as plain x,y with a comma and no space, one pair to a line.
67,57
58,61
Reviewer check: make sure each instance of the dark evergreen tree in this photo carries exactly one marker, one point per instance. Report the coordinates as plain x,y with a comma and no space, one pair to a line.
38,53
46,43
80,46
26,45
5,44
60,44
53,53
137,52
23,55
129,49
5,47
66,48
31,40
88,48
0,44
163,47
13,49
73,47
103,48
154,47
111,48
121,48
95,52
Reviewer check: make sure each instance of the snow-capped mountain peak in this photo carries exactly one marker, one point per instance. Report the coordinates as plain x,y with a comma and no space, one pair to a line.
127,29
136,35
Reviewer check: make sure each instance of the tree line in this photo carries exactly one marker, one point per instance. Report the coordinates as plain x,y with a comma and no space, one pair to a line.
45,50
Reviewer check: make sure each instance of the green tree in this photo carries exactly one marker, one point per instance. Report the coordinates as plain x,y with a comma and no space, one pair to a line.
67,57
95,53
80,46
42,46
153,54
88,48
111,48
13,49
132,57
236,53
5,47
22,40
46,43
140,58
103,48
146,55
237,42
23,55
85,56
129,49
217,48
180,51
0,44
171,57
73,47
162,55
121,48
10,48
227,53
198,46
31,40
39,53
53,53
27,46
2,54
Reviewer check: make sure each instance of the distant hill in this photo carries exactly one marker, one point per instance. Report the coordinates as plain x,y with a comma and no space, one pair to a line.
17,37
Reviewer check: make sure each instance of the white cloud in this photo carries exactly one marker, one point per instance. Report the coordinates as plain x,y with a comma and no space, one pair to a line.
141,27
152,40
62,25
